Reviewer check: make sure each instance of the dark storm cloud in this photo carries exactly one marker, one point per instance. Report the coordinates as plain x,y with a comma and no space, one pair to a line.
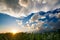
13,4
18,7
58,2
10,7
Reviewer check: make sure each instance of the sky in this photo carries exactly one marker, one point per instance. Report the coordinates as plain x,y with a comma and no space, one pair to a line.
29,15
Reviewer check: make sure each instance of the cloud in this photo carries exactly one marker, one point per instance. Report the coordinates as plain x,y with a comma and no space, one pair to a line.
41,21
13,4
10,7
33,13
24,3
16,8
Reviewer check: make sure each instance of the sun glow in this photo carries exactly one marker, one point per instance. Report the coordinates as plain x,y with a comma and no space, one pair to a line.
14,31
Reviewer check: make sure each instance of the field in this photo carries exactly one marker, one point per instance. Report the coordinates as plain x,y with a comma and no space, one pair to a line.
31,36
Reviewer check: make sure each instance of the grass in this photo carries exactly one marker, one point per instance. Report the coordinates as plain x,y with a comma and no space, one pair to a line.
31,36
